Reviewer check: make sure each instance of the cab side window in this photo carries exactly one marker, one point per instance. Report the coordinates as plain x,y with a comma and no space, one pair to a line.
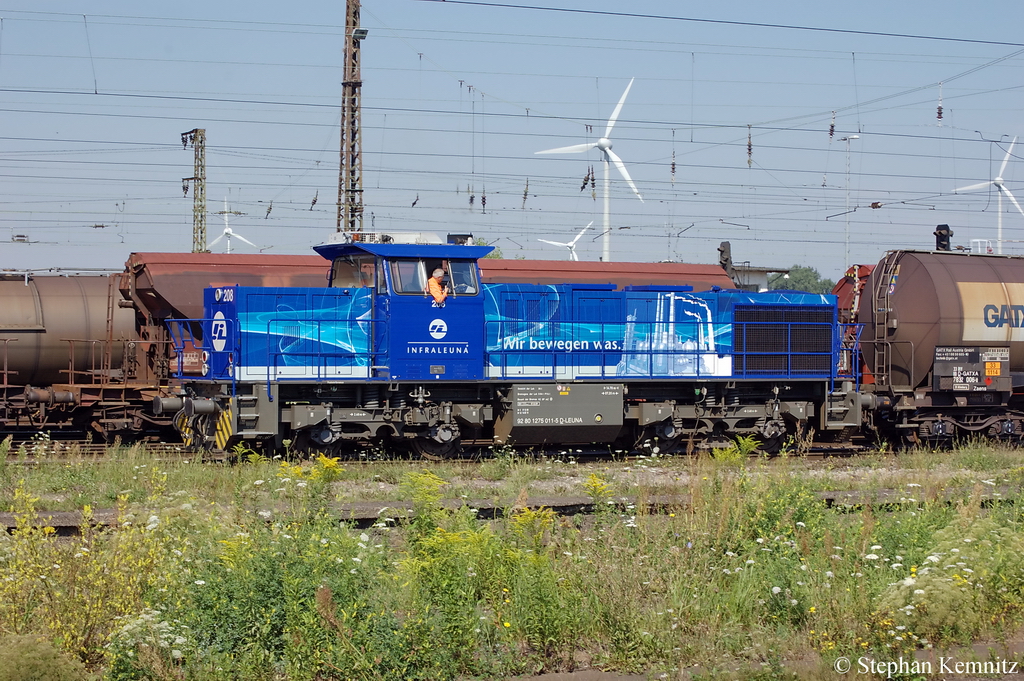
409,276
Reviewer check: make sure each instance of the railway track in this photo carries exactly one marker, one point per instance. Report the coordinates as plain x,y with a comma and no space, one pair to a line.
57,451
39,453
367,514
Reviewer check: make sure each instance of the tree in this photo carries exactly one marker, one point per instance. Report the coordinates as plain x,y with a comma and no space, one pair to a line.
801,279
496,253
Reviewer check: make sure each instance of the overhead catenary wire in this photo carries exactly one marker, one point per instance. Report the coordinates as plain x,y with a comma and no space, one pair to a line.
725,22
395,175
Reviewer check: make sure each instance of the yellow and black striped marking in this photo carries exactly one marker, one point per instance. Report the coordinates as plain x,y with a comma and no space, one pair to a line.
225,427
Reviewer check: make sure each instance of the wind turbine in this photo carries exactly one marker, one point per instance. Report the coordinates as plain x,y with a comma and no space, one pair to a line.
609,157
227,231
997,182
572,244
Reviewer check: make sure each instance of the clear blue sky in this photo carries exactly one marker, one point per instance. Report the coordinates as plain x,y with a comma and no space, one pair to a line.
457,98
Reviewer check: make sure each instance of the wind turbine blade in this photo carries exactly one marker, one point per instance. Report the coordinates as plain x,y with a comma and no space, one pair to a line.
572,255
553,243
1007,159
1010,196
242,238
618,108
622,171
574,149
214,242
972,187
571,244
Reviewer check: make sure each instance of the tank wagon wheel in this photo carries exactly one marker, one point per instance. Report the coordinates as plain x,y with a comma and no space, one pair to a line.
908,440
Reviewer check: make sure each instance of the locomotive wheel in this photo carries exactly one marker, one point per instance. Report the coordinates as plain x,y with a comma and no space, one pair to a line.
648,440
432,450
772,446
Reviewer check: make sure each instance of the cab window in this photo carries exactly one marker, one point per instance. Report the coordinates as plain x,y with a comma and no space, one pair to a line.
409,276
463,277
354,272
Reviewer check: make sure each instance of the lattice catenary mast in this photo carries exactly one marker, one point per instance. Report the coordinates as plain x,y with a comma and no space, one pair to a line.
350,172
197,138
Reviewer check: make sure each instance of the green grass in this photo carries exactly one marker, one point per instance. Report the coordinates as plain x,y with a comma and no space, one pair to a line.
219,571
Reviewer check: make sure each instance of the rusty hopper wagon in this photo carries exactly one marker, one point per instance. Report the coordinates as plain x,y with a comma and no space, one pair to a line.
87,354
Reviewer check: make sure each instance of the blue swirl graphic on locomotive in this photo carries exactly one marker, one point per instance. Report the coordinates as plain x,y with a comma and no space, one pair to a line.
311,329
675,334
586,331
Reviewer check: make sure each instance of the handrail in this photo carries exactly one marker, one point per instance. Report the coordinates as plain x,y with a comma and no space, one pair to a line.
649,349
576,349
7,371
887,368
105,367
368,358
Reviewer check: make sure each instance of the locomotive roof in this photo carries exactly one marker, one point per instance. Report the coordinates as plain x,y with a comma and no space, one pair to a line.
445,251
701,277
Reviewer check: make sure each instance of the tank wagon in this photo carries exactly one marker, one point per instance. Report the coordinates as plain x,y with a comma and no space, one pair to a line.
60,339
374,359
943,345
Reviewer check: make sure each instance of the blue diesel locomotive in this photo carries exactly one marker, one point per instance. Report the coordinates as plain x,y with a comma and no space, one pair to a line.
374,360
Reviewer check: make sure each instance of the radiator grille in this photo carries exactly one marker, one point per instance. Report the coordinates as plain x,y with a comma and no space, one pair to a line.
783,340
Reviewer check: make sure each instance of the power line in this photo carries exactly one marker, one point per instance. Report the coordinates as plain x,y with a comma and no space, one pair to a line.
754,24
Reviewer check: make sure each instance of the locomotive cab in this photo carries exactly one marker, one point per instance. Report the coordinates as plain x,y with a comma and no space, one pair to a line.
414,336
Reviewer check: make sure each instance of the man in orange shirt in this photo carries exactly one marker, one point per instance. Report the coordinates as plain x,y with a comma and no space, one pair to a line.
439,292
